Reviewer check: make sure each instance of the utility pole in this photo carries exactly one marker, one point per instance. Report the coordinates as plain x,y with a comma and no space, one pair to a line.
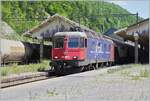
41,49
0,52
136,37
41,46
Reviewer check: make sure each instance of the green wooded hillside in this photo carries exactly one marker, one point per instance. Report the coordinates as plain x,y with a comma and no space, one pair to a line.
24,15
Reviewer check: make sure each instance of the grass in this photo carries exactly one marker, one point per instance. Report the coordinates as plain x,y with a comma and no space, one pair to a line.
137,72
133,71
109,71
144,73
18,69
125,72
4,72
51,92
135,78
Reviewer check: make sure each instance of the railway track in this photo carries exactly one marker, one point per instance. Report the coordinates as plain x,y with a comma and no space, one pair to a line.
28,78
22,79
13,81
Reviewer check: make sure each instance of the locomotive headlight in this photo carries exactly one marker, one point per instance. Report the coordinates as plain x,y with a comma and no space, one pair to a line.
56,57
75,57
66,56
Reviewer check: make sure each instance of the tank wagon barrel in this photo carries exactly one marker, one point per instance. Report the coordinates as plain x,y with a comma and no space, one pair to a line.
11,50
21,52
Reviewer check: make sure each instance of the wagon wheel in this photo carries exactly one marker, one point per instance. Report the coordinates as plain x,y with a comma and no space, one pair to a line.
90,67
110,64
96,67
59,70
102,65
52,68
82,68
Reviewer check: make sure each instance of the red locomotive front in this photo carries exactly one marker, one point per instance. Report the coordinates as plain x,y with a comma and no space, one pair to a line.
68,49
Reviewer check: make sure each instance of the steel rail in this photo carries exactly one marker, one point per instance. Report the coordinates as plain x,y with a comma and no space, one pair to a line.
13,81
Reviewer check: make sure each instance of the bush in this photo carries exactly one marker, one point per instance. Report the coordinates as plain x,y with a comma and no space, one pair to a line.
4,72
41,68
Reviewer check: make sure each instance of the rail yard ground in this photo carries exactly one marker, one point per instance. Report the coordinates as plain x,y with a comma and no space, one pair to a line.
130,83
14,69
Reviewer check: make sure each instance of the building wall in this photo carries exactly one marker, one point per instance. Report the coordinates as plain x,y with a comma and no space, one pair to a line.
52,28
140,28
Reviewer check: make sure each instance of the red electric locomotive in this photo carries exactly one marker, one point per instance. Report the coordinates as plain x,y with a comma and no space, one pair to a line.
78,49
69,50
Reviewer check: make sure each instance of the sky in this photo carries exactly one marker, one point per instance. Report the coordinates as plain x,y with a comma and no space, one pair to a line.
134,6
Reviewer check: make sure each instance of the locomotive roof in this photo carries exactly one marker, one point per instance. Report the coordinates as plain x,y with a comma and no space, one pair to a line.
108,38
81,34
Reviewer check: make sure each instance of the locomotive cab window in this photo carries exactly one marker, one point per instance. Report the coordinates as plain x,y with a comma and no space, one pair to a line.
81,42
85,43
73,42
58,42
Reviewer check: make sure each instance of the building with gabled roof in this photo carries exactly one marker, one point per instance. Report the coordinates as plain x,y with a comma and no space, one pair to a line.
142,28
57,23
139,34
